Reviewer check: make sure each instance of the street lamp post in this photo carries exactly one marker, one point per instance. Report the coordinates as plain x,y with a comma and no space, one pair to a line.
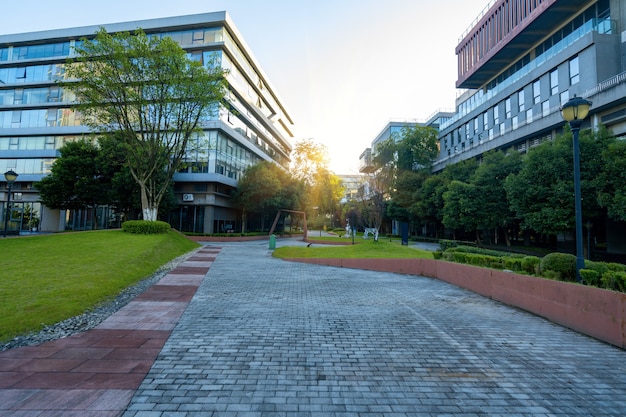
10,176
574,112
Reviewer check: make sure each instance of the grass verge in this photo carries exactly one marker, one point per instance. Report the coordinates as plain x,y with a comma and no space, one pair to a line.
365,249
47,279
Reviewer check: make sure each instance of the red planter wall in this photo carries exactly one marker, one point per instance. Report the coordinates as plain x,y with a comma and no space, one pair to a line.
593,311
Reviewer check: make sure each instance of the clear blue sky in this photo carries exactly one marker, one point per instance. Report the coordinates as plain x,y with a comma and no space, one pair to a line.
344,68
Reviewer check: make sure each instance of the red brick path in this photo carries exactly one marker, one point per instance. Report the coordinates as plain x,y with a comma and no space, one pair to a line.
96,373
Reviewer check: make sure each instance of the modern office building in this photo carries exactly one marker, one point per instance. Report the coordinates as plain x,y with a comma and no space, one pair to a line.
393,128
37,118
521,60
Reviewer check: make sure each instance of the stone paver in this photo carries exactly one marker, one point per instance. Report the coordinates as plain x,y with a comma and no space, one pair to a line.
95,373
266,337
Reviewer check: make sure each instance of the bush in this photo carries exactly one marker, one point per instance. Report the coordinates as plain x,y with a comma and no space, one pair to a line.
447,244
145,227
563,264
513,264
530,264
590,277
614,280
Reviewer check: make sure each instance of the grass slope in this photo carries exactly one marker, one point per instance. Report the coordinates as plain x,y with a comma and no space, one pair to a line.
46,279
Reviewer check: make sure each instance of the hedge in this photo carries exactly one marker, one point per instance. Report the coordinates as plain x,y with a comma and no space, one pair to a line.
145,227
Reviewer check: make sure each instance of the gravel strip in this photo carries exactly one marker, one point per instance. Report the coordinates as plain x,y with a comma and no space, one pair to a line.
94,317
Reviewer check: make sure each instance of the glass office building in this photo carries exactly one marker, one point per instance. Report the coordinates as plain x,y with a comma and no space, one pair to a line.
521,60
37,118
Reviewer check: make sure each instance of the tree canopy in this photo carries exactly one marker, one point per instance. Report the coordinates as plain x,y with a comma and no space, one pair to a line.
155,97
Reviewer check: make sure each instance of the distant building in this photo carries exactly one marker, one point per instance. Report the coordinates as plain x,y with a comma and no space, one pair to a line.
522,60
393,128
37,118
351,183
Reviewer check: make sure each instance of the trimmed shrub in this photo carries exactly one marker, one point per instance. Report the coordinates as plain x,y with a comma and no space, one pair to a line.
482,251
145,227
447,244
513,264
530,264
590,277
438,254
563,264
614,280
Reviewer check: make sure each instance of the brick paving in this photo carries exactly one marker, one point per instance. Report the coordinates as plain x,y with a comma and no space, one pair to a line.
266,337
96,373
258,336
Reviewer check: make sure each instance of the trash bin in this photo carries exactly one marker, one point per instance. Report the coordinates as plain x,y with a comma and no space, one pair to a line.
273,242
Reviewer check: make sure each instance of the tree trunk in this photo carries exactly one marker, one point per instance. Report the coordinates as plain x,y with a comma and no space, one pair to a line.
149,211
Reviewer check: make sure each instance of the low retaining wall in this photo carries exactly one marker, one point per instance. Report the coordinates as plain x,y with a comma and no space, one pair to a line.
592,311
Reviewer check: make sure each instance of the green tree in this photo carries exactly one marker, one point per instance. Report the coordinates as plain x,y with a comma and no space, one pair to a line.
429,203
461,203
494,212
612,181
541,194
417,148
265,188
75,181
323,189
152,94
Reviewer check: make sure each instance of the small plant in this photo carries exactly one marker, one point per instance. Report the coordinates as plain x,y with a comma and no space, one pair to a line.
563,264
145,227
530,264
590,277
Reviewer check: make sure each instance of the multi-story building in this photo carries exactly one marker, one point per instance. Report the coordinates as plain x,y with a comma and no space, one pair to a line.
37,118
393,129
521,60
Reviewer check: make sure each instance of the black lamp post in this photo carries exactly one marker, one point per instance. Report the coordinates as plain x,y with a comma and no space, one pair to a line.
574,112
10,176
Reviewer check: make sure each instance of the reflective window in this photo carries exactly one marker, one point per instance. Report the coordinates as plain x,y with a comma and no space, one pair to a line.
520,101
545,108
39,51
536,92
554,82
574,71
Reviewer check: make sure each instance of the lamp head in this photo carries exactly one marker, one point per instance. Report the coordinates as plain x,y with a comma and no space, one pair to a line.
575,109
10,176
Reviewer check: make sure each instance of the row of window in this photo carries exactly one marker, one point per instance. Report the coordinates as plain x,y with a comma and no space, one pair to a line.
491,123
39,118
32,143
32,74
36,166
52,94
62,49
525,65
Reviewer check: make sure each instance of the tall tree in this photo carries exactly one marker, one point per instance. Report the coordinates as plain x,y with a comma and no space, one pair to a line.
149,91
417,148
494,212
310,164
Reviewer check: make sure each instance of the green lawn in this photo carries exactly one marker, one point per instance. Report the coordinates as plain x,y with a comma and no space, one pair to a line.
364,249
46,279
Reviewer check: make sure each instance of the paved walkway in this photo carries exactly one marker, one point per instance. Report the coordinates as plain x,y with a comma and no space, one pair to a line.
266,337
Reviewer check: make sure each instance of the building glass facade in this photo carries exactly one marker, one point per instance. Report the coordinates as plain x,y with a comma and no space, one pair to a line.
534,66
37,118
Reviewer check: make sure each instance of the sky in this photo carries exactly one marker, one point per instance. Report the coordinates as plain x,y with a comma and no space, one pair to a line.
343,68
